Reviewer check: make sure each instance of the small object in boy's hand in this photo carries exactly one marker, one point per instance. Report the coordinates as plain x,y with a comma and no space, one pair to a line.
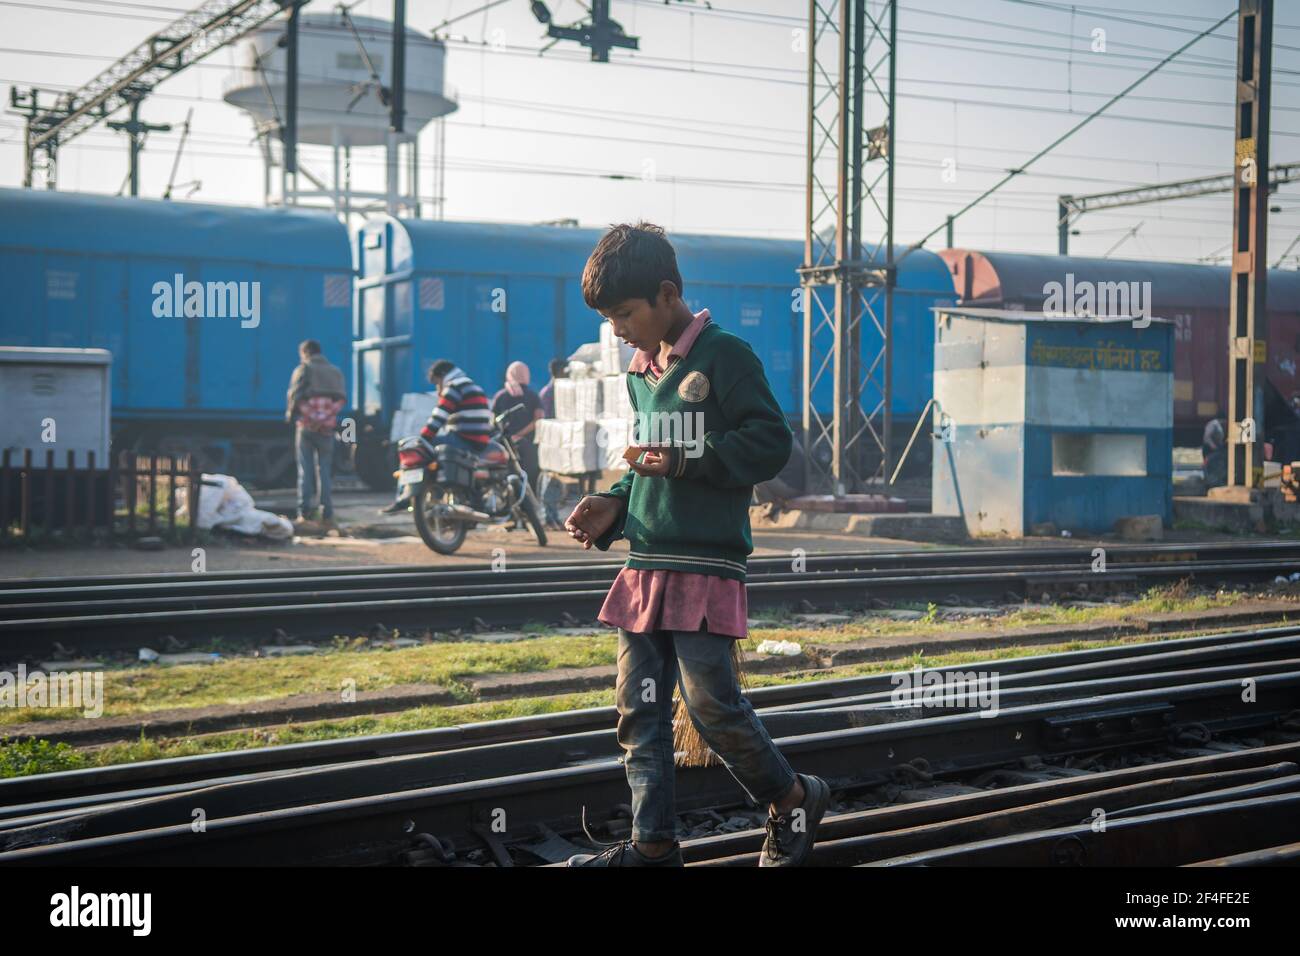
635,451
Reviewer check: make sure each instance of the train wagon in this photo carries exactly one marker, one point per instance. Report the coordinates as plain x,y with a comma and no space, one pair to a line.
201,306
1194,297
485,294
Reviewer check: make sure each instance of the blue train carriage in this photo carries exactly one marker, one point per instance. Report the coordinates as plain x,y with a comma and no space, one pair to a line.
202,307
1067,421
485,294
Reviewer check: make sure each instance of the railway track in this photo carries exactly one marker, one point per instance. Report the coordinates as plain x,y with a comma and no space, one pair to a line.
125,611
24,797
31,796
1172,718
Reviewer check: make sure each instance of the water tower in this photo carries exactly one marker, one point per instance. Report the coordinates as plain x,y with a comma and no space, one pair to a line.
344,78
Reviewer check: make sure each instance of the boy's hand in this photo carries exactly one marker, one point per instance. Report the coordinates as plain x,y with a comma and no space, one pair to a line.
593,516
655,463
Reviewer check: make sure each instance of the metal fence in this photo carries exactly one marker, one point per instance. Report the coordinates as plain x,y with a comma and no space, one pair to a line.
133,495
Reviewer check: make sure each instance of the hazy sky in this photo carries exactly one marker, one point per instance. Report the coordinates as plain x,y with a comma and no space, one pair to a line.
714,103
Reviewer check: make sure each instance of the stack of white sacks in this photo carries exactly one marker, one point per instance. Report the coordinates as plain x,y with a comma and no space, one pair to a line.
593,415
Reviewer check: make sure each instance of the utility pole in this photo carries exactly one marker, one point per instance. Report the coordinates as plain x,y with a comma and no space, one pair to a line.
289,128
1248,318
600,34
397,105
848,298
136,131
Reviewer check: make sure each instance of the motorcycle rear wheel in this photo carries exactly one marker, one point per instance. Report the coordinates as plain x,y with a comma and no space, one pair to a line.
444,537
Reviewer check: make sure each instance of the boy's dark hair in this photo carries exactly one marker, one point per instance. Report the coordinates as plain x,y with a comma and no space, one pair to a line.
310,346
440,368
557,367
629,262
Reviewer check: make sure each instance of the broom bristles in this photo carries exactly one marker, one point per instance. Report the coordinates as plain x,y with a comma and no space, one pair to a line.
689,747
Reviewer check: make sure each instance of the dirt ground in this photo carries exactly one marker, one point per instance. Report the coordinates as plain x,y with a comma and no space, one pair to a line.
371,539
479,548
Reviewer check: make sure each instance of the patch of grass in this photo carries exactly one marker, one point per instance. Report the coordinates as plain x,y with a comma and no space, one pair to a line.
22,758
1157,600
1191,524
922,660
141,689
44,757
417,718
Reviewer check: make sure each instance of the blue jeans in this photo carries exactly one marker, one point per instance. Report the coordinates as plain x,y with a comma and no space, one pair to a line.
315,449
649,665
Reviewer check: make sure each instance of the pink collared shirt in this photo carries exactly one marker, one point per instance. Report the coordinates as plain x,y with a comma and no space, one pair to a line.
642,600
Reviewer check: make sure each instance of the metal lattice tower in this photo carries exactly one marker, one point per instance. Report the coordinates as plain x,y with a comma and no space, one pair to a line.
1070,208
848,271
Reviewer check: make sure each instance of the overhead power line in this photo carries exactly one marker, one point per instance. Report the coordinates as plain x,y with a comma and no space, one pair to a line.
1064,136
1070,208
163,54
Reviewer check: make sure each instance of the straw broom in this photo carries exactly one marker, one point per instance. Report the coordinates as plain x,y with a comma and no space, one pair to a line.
689,748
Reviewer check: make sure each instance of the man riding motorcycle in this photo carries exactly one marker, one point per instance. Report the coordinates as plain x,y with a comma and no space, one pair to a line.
461,418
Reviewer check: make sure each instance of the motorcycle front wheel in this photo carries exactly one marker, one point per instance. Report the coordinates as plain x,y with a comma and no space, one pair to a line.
441,535
533,515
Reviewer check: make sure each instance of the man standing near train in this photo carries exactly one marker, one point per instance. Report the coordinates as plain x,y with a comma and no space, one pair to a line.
317,393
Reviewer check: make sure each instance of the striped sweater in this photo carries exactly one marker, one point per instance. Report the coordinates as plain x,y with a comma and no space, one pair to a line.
462,409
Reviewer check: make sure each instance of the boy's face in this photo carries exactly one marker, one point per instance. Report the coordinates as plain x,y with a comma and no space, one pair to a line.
642,324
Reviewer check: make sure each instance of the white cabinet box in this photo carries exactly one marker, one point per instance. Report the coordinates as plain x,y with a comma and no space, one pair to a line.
64,394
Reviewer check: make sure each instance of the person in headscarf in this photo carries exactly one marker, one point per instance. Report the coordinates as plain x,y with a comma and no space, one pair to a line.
520,424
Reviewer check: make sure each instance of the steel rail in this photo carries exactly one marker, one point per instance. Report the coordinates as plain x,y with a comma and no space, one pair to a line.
883,833
71,788
336,827
323,617
24,589
57,799
1164,838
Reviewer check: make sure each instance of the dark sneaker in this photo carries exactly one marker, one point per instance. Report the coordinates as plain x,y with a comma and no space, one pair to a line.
397,507
790,837
626,854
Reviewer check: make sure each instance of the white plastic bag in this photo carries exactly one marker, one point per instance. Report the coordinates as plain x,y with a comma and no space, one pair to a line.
224,503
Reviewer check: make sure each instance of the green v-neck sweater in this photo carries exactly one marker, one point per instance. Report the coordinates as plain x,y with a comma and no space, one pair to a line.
729,433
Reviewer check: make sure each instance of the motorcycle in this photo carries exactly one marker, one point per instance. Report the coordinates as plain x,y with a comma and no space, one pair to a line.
457,490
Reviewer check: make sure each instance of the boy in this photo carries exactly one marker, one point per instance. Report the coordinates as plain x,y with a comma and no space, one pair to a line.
679,603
